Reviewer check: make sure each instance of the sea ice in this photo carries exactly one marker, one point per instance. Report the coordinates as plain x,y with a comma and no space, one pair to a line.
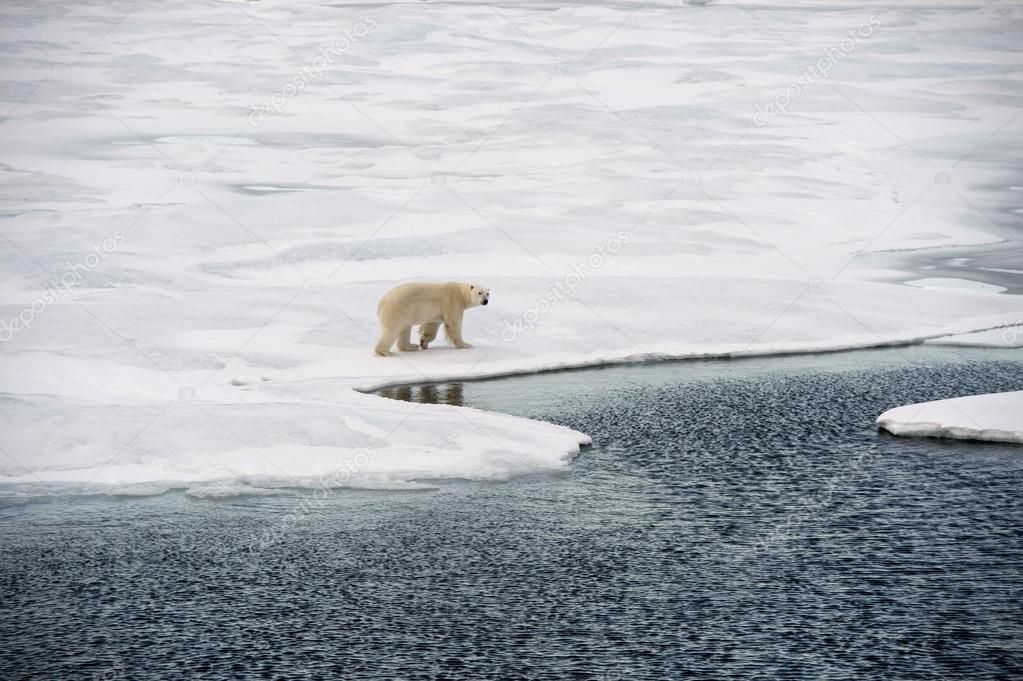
226,491
633,181
997,417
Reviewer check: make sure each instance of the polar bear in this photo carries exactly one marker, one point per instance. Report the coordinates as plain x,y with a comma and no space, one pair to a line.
426,305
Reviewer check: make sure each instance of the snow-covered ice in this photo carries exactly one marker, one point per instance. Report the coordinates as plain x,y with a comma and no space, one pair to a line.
202,203
997,417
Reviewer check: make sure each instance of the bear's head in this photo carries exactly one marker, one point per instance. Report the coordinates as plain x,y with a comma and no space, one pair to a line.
478,295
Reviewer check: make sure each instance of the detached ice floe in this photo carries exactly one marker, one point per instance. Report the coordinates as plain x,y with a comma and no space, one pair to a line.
140,490
940,283
226,491
996,417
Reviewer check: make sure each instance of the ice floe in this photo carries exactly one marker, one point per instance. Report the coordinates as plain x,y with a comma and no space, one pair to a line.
997,417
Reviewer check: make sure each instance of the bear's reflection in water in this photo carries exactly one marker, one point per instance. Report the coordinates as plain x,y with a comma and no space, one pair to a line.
445,393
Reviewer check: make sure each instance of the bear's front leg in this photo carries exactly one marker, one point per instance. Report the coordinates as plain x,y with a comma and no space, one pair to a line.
453,329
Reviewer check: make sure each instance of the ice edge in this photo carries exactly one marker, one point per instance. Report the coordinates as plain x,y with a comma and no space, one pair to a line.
611,359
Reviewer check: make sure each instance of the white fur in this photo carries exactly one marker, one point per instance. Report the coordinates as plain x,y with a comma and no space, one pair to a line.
427,306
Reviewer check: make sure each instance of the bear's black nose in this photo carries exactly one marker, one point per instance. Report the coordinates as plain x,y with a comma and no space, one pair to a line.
485,301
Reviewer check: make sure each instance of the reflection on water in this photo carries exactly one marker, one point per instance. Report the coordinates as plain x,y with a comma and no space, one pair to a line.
445,393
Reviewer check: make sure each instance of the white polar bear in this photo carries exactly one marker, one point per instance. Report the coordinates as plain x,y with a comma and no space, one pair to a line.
426,305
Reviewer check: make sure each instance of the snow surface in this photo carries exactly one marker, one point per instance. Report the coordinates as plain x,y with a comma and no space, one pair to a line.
228,188
997,417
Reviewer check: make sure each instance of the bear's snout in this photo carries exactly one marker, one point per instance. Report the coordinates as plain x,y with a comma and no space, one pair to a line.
485,301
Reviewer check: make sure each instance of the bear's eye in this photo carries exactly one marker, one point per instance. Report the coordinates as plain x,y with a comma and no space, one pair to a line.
472,288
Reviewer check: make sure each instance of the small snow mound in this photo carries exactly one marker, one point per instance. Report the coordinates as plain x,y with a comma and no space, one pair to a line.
226,491
996,417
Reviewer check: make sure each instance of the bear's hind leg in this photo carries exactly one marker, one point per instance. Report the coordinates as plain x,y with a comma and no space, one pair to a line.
405,340
387,338
427,332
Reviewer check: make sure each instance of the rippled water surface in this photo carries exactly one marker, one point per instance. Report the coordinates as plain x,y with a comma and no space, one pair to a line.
737,519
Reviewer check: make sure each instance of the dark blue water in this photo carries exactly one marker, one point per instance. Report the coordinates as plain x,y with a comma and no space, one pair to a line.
737,519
